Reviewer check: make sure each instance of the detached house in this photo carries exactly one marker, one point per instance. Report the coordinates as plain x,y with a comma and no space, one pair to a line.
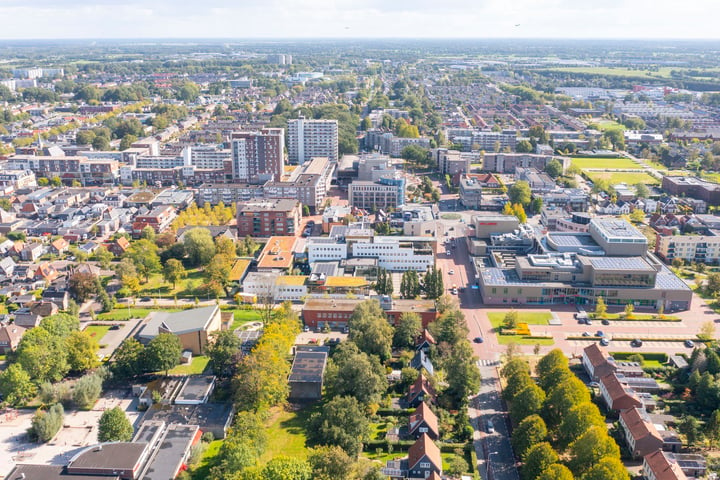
32,252
424,341
658,466
10,336
419,392
423,462
59,246
423,421
422,361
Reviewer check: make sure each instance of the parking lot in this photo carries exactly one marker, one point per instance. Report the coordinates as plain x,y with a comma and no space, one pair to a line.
79,430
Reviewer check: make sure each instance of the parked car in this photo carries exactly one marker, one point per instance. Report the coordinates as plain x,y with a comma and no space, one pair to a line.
636,343
604,342
605,321
478,340
689,344
490,426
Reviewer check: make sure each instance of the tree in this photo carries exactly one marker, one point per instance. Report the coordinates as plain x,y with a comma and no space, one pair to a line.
128,359
163,352
516,383
46,424
537,459
433,284
600,308
515,366
408,329
174,271
554,168
713,284
287,468
536,205
450,328
629,309
590,448
218,272
461,373
199,246
553,359
712,426
127,141
244,444
555,377
16,386
341,422
384,283
524,146
456,466
510,320
114,426
415,154
189,92
578,420
87,390
148,233
223,351
410,284
641,190
101,143
370,330
528,401
707,331
82,286
562,397
330,463
143,254
520,193
103,256
530,430
82,351
690,427
42,354
637,216
556,472
225,246
608,468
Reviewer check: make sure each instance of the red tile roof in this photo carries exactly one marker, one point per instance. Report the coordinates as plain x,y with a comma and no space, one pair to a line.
423,412
662,468
421,448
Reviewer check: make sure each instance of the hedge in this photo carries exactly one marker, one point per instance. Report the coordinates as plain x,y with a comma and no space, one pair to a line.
657,356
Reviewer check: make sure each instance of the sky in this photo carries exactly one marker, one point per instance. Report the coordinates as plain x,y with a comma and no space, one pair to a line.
48,19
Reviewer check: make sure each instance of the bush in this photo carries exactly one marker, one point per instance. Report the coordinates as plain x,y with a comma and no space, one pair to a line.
45,425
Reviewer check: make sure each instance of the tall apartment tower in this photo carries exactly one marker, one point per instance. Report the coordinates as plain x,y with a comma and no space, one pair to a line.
309,138
258,156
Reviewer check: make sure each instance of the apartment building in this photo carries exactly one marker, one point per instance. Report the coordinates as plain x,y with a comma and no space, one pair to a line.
692,187
266,218
690,248
86,171
508,162
207,157
258,156
308,138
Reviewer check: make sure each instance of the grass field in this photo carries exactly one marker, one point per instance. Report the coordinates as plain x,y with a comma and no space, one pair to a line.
196,367
604,162
520,340
97,331
241,317
531,318
712,177
156,285
655,165
124,313
662,72
202,470
286,434
629,178
451,216
604,124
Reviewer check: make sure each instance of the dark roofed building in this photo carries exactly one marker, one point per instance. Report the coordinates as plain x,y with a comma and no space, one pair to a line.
52,472
308,370
420,391
210,417
196,389
172,452
423,420
123,459
420,361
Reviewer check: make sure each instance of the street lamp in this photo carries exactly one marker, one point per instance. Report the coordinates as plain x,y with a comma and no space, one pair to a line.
489,467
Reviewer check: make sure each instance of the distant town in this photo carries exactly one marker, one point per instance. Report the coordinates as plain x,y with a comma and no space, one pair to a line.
367,260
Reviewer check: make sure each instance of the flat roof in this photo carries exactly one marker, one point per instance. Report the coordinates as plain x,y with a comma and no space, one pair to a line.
205,415
308,366
346,282
277,253
563,239
170,454
51,472
239,269
115,456
613,227
634,264
196,388
291,280
267,205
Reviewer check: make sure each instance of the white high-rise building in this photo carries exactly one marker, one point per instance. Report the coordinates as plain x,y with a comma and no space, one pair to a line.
308,138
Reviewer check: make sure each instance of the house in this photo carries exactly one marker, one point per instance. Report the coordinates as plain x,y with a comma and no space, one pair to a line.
193,327
59,246
46,272
44,309
616,395
308,370
659,466
423,462
58,296
32,252
692,465
640,434
423,421
26,319
422,361
10,336
419,392
595,362
119,246
7,266
424,341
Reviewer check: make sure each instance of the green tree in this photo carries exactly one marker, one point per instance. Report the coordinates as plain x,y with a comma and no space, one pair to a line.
600,308
594,445
341,422
712,287
556,472
223,352
690,427
82,351
608,468
46,424
16,386
530,431
103,256
433,284
510,321
514,367
287,468
225,246
148,233
114,426
330,463
537,459
554,168
128,359
127,141
101,143
407,331
82,286
369,329
410,284
245,443
415,154
712,426
461,373
174,271
42,355
562,397
578,420
524,146
143,254
450,327
520,193
553,359
87,390
188,92
528,401
515,384
163,352
384,283
641,190
456,466
217,272
199,246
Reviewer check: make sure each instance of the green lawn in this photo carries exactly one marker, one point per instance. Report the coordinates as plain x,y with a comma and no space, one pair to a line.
286,434
711,177
520,340
241,317
451,216
604,162
156,285
655,165
660,72
637,316
97,331
201,471
629,178
124,314
531,318
196,367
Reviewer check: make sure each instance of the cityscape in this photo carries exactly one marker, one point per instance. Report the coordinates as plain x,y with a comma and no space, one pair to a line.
363,259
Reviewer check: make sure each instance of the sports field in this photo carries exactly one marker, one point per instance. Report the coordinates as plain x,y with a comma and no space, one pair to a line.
629,178
604,162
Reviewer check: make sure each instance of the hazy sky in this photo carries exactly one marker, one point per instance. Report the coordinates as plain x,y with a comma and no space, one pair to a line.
359,18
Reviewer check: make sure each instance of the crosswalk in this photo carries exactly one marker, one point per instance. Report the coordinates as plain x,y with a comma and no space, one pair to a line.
488,363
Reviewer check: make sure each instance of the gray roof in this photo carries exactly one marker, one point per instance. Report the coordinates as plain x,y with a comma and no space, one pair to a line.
168,457
634,264
308,366
51,472
116,456
196,388
179,322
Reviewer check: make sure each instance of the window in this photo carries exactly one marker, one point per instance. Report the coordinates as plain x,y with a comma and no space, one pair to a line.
425,465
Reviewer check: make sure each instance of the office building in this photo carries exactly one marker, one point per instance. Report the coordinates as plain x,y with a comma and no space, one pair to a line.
265,218
308,138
